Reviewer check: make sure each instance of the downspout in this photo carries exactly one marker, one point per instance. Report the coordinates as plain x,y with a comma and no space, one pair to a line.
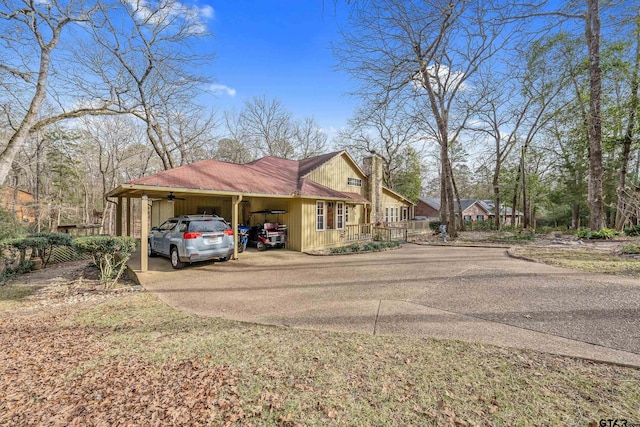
116,206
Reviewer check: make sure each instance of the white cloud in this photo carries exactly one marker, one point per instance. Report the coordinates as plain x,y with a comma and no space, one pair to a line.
441,76
219,89
157,12
207,12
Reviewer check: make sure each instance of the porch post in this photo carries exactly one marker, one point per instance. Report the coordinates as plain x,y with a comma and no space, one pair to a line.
119,217
144,233
128,216
235,201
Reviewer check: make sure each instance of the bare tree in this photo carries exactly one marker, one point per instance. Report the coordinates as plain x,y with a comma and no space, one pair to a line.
151,71
430,51
386,131
266,128
309,139
32,31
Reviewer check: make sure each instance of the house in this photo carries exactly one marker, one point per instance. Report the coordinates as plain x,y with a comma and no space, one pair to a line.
472,210
329,199
21,203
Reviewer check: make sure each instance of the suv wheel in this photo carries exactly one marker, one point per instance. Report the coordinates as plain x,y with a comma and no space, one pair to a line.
260,245
175,258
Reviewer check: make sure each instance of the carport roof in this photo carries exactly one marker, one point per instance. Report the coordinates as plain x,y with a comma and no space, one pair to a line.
269,176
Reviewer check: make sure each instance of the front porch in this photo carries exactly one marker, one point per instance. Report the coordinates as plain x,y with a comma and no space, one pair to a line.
366,232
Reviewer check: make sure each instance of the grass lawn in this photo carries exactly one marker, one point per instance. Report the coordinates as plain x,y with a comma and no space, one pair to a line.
585,260
135,361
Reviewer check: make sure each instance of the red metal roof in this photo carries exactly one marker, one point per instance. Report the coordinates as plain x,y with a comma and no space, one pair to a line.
268,175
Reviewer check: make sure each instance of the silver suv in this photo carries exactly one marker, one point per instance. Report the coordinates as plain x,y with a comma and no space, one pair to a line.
191,238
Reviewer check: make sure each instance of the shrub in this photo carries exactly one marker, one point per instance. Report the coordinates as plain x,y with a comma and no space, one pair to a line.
603,234
435,225
354,247
338,250
109,253
21,268
633,231
51,241
520,237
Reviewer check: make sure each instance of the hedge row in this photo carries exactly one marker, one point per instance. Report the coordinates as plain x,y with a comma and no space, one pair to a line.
367,247
109,253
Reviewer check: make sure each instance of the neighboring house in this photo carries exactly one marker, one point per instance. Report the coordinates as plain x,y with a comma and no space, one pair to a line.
329,199
19,202
505,213
472,210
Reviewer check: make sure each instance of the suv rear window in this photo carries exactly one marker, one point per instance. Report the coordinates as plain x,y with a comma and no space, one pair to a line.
208,226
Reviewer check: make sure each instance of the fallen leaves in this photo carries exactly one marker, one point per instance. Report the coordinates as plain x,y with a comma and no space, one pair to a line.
52,384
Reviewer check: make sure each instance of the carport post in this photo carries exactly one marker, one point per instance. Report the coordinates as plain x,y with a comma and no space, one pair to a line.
128,216
234,223
144,234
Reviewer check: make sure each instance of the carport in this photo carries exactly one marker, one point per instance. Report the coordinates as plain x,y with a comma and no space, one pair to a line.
160,203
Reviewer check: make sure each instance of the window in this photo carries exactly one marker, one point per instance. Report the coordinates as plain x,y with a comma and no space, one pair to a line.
340,215
405,214
356,182
386,214
397,215
346,214
168,224
480,218
467,217
320,216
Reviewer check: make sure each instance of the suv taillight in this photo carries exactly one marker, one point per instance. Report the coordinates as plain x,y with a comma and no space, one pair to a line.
191,235
228,232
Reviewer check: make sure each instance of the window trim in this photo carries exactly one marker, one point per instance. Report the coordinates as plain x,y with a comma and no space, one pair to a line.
354,182
320,204
339,215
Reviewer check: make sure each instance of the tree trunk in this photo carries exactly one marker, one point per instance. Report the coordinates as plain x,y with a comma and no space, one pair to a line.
525,200
16,141
457,198
516,191
496,194
628,138
575,216
594,197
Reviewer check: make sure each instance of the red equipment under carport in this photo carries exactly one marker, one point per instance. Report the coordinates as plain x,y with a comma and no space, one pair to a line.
270,232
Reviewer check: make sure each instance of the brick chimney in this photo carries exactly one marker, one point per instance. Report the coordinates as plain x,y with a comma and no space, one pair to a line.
373,169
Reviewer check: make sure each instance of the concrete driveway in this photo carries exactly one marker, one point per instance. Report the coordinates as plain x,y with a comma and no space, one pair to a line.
473,294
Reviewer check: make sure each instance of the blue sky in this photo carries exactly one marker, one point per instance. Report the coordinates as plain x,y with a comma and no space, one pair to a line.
281,49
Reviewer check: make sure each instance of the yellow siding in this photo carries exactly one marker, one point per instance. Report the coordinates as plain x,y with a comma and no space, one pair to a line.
160,211
312,239
198,205
334,174
391,201
294,224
